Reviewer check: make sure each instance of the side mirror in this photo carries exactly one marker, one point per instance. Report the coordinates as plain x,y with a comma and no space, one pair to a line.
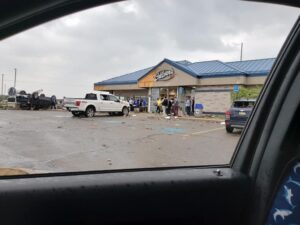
117,100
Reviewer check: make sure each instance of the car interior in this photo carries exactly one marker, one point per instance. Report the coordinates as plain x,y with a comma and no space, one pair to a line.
260,186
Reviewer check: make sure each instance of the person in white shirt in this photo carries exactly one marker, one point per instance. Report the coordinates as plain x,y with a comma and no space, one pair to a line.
188,106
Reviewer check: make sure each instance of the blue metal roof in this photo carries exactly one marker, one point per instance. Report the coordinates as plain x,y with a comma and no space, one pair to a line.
214,68
130,78
184,62
254,67
180,66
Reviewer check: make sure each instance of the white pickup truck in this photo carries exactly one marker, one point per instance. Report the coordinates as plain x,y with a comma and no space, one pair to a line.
98,101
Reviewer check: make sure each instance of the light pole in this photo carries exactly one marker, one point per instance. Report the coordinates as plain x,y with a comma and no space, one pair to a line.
2,85
15,78
241,56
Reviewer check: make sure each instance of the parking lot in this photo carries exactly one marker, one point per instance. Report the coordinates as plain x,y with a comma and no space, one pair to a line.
54,141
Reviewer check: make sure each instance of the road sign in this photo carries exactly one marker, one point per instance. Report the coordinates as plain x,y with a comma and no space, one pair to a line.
235,88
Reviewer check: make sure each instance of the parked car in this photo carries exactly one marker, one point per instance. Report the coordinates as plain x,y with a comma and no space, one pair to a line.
98,102
238,114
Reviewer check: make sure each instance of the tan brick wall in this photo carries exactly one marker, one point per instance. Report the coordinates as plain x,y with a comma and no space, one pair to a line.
223,81
256,80
214,101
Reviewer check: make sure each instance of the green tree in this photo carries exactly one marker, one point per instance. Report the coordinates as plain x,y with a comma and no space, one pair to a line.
247,93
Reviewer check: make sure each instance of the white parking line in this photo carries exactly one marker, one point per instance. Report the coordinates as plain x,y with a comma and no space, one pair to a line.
204,131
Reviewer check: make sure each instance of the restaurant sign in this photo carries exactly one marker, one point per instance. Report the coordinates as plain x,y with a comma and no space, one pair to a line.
164,75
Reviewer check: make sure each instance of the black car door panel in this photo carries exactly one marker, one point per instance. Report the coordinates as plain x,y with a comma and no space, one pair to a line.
177,196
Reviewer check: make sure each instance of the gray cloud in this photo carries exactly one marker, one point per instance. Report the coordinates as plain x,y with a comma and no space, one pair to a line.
66,56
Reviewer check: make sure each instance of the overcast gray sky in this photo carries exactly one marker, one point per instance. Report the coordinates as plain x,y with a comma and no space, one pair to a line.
66,56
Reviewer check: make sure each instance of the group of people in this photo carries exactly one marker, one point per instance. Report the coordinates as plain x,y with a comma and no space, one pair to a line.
189,105
168,106
139,102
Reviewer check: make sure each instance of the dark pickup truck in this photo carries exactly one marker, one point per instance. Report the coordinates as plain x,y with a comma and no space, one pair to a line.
237,115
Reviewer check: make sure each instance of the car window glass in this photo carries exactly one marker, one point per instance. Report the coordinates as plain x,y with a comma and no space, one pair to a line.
113,98
91,96
187,72
105,97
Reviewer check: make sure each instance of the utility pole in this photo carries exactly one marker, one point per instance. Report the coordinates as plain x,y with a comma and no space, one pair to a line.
15,78
241,56
2,85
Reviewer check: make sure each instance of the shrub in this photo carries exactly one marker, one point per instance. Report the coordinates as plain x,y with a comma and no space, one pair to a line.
247,93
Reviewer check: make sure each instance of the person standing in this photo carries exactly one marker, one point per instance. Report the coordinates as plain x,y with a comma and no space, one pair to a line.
164,106
192,105
169,107
175,106
131,102
158,105
188,106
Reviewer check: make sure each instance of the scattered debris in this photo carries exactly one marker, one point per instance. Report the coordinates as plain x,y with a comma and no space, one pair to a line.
59,127
172,130
109,162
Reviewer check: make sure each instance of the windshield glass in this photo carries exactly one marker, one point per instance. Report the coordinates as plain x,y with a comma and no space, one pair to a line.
136,84
243,104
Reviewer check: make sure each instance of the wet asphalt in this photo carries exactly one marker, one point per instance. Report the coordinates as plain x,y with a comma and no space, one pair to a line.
55,141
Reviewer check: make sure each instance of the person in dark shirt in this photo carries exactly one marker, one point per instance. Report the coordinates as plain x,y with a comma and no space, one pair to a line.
192,105
169,107
175,106
165,105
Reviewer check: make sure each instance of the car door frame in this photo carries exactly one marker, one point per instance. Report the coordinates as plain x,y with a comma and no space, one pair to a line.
116,105
105,105
42,192
262,151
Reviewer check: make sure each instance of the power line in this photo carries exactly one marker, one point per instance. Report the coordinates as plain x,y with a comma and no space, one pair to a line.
15,78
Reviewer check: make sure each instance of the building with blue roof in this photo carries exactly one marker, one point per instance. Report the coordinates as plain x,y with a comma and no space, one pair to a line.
209,82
